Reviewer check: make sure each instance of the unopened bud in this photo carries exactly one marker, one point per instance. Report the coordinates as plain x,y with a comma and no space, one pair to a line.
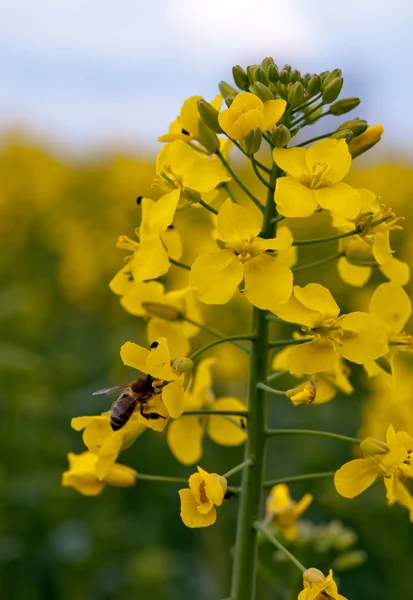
357,126
280,136
182,365
344,134
332,91
267,62
191,195
311,576
262,91
229,100
251,73
162,311
285,76
273,74
226,89
303,394
314,85
296,93
329,76
261,76
208,138
287,68
372,447
253,141
350,560
209,116
295,76
341,107
366,140
240,77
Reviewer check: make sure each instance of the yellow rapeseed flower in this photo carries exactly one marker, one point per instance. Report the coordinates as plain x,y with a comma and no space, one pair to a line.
215,276
284,511
319,587
186,126
82,477
248,112
198,502
366,140
313,180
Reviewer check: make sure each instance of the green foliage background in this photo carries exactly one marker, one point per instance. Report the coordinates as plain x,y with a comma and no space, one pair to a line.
61,329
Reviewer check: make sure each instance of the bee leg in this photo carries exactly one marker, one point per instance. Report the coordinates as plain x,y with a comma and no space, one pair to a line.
154,416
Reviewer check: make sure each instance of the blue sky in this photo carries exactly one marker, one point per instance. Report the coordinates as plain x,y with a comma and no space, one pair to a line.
89,72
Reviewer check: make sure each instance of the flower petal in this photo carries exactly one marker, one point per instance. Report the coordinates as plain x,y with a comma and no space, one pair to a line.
364,339
173,397
356,476
273,111
316,297
339,198
381,247
333,153
178,343
292,161
134,356
150,261
236,223
293,199
312,357
396,270
163,211
158,363
267,281
392,306
190,514
227,431
215,276
353,274
184,437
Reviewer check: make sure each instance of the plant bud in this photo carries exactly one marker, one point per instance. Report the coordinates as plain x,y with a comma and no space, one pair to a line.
295,76
226,89
240,77
273,74
311,576
314,85
344,134
261,76
305,78
296,93
162,311
251,73
341,107
332,91
350,560
262,91
209,115
366,140
285,77
372,447
330,76
229,100
280,136
182,365
208,138
287,68
303,394
357,126
253,141
266,62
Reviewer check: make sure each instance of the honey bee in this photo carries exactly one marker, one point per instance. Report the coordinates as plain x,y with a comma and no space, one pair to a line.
137,392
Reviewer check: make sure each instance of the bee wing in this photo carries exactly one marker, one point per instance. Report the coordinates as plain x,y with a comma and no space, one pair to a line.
114,389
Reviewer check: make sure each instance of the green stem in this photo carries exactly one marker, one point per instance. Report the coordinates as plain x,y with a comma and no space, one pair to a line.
163,478
198,148
264,531
229,338
259,164
238,468
212,331
297,478
237,180
258,174
230,193
277,219
269,390
303,106
304,117
275,375
210,208
314,139
317,263
329,238
291,342
235,413
179,264
246,548
268,139
328,434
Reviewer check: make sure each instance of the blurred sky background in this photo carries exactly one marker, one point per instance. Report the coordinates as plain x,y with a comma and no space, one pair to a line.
87,72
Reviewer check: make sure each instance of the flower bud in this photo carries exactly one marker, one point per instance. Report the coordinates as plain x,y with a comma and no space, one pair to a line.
229,100
280,136
162,311
372,447
208,138
295,76
182,365
285,76
240,77
253,141
303,394
329,76
344,134
267,62
366,140
350,560
341,107
262,91
314,85
311,576
209,115
287,68
261,76
273,74
251,73
357,126
296,93
226,89
332,91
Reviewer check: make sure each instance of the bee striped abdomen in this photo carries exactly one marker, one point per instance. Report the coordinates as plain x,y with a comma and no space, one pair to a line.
122,410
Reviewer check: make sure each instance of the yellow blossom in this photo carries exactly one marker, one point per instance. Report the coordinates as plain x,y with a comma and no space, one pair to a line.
319,587
391,460
248,112
357,337
284,511
185,435
198,502
216,276
313,180
366,140
81,475
186,126
305,393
